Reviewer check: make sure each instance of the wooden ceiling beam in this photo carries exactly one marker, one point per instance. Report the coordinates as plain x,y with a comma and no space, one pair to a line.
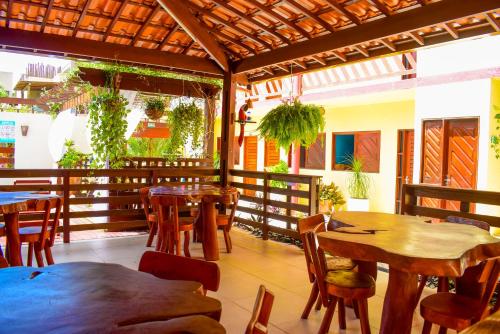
81,17
452,31
300,64
340,55
327,26
319,60
168,36
181,14
9,12
278,17
229,25
246,17
339,8
400,23
83,48
422,2
361,50
382,7
116,17
419,39
388,44
283,68
492,21
46,15
147,21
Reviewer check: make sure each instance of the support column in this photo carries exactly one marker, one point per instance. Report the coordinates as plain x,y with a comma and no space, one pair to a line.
209,126
227,131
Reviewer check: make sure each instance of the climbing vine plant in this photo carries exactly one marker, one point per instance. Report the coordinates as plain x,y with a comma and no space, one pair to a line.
495,139
185,122
108,124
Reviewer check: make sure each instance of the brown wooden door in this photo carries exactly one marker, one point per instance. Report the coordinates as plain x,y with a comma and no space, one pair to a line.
404,162
250,160
449,156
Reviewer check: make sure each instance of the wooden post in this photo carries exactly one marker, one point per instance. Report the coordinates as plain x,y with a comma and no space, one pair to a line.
313,196
209,126
66,221
265,198
227,133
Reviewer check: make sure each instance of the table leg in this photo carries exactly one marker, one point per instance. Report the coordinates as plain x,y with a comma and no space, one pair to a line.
198,224
399,302
210,243
13,240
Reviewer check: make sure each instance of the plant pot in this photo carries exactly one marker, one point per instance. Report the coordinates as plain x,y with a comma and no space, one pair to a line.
358,204
325,206
154,114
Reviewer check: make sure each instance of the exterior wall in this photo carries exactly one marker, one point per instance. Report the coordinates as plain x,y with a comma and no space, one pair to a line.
493,165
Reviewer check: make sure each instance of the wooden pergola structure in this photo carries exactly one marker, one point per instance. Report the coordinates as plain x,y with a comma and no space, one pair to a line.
239,41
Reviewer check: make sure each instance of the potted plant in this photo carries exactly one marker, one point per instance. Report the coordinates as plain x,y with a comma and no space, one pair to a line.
155,107
358,185
293,122
331,198
185,122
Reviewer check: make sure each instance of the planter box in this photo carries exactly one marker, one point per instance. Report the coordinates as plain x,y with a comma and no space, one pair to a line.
357,204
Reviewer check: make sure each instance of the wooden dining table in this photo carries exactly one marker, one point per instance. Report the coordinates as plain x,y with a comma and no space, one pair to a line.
11,203
207,196
89,297
410,246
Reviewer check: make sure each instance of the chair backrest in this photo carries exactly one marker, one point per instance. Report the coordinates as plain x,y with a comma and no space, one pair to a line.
489,276
261,312
305,225
233,206
174,267
47,206
34,182
319,263
146,204
167,208
467,221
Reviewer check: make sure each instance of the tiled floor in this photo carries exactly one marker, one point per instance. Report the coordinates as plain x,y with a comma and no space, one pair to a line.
280,267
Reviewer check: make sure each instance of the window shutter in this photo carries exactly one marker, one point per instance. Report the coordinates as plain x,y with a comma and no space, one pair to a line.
315,154
367,148
271,154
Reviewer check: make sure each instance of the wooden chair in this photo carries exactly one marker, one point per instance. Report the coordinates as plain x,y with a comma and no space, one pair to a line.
339,285
443,281
3,262
173,267
261,312
41,236
170,225
151,216
459,311
309,224
225,221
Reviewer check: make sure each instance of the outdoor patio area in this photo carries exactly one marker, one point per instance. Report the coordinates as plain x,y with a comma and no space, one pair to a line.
280,267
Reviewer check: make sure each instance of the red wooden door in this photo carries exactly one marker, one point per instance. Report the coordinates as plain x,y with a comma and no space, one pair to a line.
461,166
250,160
449,156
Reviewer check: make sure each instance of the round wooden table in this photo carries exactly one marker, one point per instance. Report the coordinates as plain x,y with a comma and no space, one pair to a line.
88,297
207,196
410,246
11,203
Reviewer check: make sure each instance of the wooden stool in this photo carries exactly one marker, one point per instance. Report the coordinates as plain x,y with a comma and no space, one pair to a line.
151,216
458,311
225,221
337,286
261,312
41,236
309,224
170,225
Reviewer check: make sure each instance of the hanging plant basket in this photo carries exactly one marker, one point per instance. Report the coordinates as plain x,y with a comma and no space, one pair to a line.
155,107
154,114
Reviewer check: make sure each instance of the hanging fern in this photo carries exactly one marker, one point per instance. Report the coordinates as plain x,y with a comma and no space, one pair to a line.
185,121
293,122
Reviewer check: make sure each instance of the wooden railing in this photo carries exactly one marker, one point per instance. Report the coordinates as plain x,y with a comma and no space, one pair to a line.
114,190
413,195
143,162
273,207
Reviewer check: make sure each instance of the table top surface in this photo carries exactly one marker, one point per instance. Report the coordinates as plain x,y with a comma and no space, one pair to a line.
88,297
409,242
15,201
194,192
487,326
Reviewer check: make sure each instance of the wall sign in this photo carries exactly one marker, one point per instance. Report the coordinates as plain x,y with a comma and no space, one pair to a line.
7,131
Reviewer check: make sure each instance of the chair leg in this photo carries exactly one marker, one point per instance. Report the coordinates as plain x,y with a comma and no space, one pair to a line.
319,303
327,318
342,324
421,286
310,302
152,232
443,284
30,254
355,307
186,244
363,316
39,257
443,330
227,240
48,255
427,327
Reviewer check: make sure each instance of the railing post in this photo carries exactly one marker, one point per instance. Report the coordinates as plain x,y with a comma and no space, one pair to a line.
313,195
66,221
265,198
153,179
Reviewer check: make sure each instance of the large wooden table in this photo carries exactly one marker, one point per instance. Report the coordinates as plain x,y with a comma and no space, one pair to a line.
207,196
410,246
11,203
87,297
